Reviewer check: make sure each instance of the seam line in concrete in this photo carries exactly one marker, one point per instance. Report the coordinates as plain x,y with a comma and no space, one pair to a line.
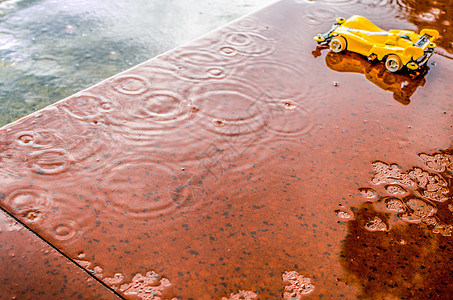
61,252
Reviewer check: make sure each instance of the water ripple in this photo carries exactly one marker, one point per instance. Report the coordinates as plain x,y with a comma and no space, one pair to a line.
250,43
280,80
86,107
129,84
229,107
196,65
162,189
31,203
50,162
319,14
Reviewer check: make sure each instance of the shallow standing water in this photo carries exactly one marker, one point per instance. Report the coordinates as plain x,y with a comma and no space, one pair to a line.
250,161
50,49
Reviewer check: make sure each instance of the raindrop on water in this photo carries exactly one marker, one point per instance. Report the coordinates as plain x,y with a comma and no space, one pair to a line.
342,214
219,123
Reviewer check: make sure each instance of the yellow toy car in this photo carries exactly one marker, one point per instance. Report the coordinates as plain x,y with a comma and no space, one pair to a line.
397,48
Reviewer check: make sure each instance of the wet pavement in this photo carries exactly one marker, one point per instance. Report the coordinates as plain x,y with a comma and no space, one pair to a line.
50,49
32,269
250,163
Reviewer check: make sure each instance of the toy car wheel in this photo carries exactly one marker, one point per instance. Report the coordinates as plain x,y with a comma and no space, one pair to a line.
338,44
393,63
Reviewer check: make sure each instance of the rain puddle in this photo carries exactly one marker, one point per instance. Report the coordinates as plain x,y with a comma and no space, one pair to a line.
251,164
32,269
50,49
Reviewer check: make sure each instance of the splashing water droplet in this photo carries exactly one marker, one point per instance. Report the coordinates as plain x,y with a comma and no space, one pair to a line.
131,84
299,285
368,193
342,214
32,215
419,210
376,225
26,139
289,105
219,123
28,202
228,51
65,230
394,204
395,190
50,162
114,281
87,106
216,72
242,295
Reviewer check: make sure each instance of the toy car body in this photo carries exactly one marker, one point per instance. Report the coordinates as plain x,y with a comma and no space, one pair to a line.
397,48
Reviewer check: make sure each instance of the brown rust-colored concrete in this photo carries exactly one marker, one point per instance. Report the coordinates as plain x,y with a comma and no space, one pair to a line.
31,269
249,162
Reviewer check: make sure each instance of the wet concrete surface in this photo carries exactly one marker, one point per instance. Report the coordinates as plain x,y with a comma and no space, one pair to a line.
32,269
50,49
249,163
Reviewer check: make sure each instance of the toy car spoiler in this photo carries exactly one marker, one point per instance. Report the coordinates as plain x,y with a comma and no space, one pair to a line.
434,34
423,48
326,37
427,36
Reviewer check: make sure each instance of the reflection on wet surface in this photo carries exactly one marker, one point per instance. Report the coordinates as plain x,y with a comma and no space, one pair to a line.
400,245
406,261
402,85
234,167
433,13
